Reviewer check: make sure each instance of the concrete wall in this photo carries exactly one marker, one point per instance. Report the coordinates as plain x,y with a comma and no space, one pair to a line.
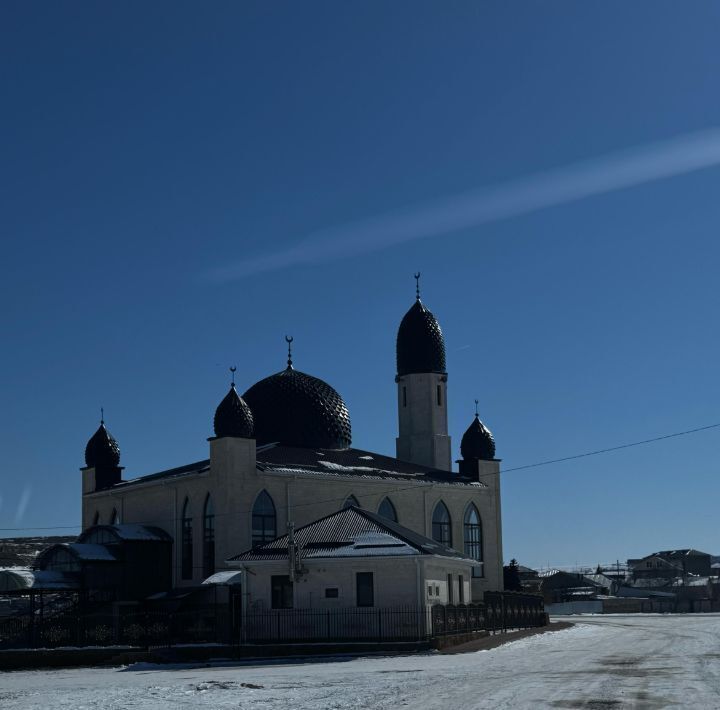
234,483
398,581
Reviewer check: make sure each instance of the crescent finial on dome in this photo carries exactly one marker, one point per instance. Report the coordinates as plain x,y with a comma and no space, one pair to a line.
289,339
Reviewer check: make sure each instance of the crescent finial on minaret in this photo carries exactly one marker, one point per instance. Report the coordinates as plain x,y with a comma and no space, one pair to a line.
288,340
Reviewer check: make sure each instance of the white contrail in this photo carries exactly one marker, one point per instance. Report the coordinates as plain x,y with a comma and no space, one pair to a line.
23,504
617,171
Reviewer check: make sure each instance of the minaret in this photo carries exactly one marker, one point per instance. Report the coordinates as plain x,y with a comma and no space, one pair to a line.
422,389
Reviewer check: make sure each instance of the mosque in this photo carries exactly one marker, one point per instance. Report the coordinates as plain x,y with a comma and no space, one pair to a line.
281,458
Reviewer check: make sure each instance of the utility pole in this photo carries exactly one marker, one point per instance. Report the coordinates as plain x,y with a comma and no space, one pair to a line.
292,551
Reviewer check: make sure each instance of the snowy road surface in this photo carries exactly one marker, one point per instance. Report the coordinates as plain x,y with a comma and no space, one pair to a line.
602,662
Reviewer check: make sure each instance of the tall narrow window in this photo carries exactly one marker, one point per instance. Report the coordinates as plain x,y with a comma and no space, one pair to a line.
114,517
387,510
441,525
281,591
365,594
439,396
264,519
186,542
461,589
208,537
96,518
472,537
404,396
450,596
351,500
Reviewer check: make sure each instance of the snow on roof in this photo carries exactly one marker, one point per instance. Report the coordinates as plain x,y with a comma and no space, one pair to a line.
351,532
227,577
18,578
139,532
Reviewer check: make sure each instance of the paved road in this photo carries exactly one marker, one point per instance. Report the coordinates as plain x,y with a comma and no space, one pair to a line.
602,662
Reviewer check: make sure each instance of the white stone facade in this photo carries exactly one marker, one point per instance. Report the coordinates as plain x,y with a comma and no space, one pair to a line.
234,481
397,581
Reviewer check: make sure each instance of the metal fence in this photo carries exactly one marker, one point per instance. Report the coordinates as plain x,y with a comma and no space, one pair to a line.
337,625
217,624
145,629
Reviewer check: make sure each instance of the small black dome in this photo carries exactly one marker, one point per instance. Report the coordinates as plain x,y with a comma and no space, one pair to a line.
233,417
296,409
102,451
420,343
477,442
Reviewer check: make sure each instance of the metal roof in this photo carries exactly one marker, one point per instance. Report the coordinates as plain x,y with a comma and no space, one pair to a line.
276,458
352,532
125,532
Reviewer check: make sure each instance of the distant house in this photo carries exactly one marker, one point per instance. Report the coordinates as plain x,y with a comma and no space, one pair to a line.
353,558
715,565
669,564
558,586
529,579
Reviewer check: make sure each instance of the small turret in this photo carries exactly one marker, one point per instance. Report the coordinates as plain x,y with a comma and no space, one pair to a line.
233,416
102,454
476,445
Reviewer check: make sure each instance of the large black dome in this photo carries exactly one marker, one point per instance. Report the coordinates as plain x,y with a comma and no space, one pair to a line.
233,417
296,409
478,442
102,451
420,343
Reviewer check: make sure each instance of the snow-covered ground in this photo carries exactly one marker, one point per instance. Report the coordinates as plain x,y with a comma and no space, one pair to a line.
602,662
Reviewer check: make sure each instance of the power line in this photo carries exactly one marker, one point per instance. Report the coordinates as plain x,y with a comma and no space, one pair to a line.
613,448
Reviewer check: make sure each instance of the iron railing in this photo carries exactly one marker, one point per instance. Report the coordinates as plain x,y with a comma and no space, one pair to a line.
131,626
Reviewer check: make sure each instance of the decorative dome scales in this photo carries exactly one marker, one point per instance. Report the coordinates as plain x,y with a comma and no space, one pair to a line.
102,451
296,409
420,342
233,416
477,441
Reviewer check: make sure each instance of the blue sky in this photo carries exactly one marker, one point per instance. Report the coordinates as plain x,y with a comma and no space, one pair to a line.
155,153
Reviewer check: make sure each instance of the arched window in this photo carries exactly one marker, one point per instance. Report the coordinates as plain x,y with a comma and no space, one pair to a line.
264,519
114,517
472,535
387,510
351,500
208,537
186,542
441,526
96,518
